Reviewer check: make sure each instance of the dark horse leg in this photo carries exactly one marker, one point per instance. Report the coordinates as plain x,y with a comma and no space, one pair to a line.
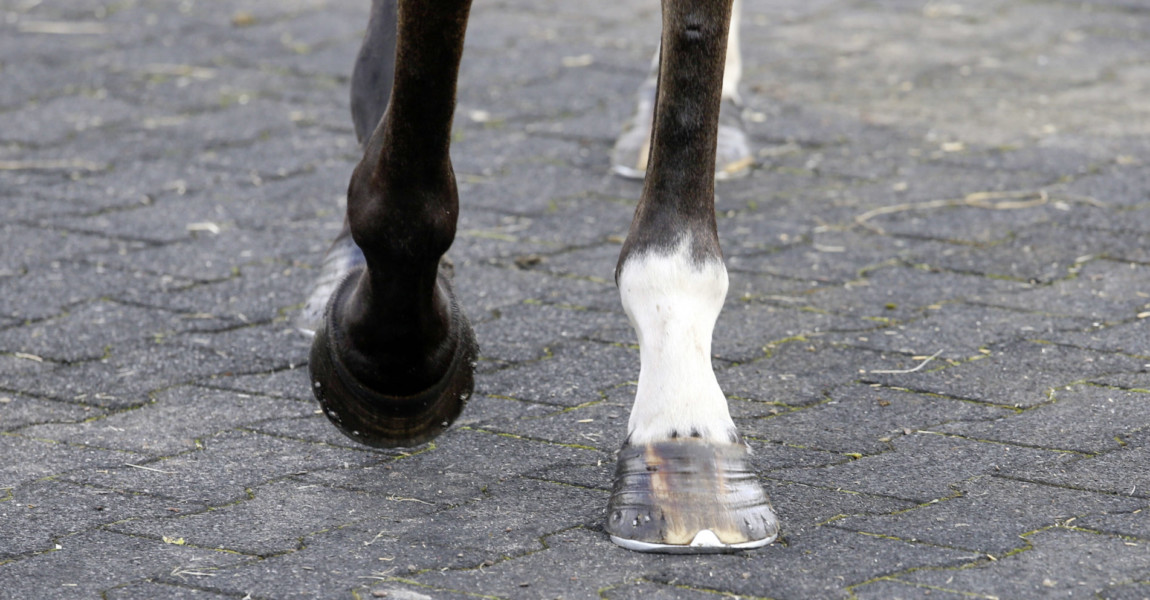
682,482
393,355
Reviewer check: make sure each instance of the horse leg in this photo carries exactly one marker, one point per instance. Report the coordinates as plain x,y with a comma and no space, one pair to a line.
682,482
733,156
393,357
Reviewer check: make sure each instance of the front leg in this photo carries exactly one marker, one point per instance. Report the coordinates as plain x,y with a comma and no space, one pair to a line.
682,483
393,358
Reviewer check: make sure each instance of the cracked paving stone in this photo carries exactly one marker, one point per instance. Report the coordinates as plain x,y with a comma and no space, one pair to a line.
1131,524
893,589
119,381
1119,471
523,332
18,410
286,383
1047,570
910,469
1020,374
1130,338
901,293
842,558
960,331
803,509
228,464
863,419
602,426
276,519
172,422
1103,290
38,515
171,591
571,375
33,247
90,331
484,288
1083,419
90,563
796,373
28,460
48,292
989,515
252,348
513,519
832,257
452,471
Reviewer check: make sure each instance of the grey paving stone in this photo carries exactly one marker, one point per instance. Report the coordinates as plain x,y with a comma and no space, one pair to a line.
849,559
959,331
797,373
30,459
85,566
1131,524
1020,374
39,515
1132,337
1044,570
276,519
48,292
1114,472
1103,290
888,589
524,332
119,381
90,331
902,293
18,410
286,383
227,466
571,375
864,419
32,246
990,515
174,422
1084,419
449,473
146,590
918,456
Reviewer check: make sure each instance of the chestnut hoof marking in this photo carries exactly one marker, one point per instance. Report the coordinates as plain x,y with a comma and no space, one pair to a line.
688,496
381,420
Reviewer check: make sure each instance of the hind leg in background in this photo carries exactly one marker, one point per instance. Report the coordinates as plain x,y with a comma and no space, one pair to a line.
733,156
682,482
393,357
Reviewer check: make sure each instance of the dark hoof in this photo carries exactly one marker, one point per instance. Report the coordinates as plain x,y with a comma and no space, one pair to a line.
688,496
381,420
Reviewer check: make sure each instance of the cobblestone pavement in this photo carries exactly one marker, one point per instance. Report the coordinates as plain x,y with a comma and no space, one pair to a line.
961,180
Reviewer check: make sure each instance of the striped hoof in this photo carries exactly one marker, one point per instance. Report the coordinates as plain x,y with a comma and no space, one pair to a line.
688,496
377,419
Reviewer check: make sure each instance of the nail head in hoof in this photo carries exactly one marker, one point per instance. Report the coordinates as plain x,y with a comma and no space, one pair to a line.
378,419
688,496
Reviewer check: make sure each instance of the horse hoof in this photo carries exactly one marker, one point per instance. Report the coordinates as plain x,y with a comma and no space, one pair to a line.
378,419
688,496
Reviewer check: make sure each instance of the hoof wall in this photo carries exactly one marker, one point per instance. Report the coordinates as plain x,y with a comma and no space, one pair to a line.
381,420
688,497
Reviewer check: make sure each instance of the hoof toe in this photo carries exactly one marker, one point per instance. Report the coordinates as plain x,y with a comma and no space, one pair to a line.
688,496
377,419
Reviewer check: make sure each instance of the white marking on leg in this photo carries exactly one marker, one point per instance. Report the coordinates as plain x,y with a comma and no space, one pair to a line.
733,67
673,303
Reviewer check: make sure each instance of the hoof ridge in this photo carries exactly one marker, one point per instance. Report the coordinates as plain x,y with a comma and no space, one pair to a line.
688,496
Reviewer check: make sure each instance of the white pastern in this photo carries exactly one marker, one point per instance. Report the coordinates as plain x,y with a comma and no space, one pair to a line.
673,303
